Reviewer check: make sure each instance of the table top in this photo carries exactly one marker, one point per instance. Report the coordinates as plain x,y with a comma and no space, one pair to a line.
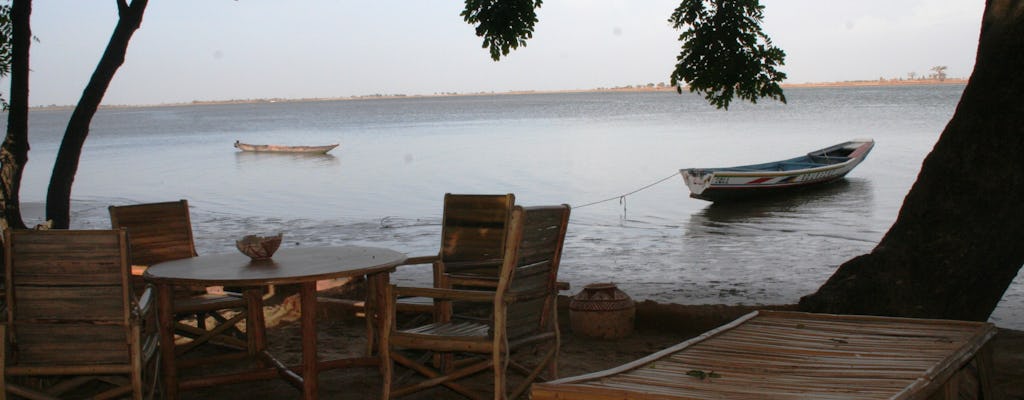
288,265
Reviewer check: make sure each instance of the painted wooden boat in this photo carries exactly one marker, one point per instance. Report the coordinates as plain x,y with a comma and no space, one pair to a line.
817,167
273,148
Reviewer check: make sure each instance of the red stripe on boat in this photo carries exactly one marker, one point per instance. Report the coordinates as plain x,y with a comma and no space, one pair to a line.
760,180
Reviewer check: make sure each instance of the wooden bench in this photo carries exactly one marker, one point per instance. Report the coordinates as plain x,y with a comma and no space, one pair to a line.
790,355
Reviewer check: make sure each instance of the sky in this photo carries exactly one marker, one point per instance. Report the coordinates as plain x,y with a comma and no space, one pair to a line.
207,50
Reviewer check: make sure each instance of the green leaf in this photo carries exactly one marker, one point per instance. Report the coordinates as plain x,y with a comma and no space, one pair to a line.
696,373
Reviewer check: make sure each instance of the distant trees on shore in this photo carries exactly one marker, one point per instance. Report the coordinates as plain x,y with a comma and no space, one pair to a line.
938,74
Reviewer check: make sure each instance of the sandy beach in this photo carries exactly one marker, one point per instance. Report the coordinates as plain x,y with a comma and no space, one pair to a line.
657,326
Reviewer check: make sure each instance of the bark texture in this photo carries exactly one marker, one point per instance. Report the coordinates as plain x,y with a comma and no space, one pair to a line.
14,152
58,196
956,245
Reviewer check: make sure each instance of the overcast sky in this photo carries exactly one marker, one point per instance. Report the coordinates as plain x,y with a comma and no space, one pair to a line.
221,49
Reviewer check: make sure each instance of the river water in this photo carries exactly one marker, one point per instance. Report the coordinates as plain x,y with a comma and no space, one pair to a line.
384,185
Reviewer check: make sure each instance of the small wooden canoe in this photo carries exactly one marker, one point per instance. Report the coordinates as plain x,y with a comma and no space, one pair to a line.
273,148
817,167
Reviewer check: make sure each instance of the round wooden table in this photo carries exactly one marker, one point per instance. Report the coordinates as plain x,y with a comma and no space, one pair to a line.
294,265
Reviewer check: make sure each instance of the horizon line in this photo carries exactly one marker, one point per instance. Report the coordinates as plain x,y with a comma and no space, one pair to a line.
651,87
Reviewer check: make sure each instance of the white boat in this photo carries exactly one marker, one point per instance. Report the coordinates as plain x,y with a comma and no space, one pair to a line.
817,167
274,148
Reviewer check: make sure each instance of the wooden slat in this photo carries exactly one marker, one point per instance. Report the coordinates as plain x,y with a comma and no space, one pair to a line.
783,355
436,293
156,231
71,344
474,226
69,303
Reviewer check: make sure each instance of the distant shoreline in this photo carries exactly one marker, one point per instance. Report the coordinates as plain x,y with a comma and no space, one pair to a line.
622,89
881,82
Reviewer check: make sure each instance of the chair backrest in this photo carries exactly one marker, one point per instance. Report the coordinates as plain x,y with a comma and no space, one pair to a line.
473,232
156,231
68,297
529,273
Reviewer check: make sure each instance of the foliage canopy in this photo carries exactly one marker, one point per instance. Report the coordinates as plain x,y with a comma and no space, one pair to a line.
504,24
725,54
6,32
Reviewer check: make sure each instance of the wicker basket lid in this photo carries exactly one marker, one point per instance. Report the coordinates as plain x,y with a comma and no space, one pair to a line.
601,297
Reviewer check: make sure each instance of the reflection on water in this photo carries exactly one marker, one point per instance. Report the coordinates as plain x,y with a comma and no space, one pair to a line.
809,204
245,158
775,249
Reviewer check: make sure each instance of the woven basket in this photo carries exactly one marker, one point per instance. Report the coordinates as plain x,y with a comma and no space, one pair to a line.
602,311
259,247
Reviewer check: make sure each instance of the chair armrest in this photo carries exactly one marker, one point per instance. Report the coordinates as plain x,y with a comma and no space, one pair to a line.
420,260
146,303
446,294
472,281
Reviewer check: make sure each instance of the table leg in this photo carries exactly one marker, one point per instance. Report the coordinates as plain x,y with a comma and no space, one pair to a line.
371,308
165,321
255,327
310,367
375,298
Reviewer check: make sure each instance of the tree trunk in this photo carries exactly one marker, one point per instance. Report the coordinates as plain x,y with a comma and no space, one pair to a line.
14,152
58,196
956,245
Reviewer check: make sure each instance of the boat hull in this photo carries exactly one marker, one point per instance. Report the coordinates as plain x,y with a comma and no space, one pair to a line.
816,168
271,148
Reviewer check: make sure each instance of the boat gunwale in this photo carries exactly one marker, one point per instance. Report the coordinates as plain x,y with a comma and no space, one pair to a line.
279,148
858,154
765,173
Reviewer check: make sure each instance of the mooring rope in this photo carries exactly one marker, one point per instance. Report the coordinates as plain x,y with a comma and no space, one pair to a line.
622,197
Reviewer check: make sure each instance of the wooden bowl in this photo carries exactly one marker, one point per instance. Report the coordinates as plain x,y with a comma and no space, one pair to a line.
259,247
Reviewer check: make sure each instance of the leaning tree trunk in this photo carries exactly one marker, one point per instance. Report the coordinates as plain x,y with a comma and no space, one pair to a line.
14,152
58,196
956,245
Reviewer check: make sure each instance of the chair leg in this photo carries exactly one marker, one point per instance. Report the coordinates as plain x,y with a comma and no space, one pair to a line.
532,372
387,315
136,362
3,362
501,359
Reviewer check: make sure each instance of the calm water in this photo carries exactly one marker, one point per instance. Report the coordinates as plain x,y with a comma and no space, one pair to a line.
384,185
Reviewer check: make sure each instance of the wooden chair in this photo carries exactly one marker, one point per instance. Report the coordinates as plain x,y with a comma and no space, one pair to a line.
524,315
160,232
72,315
473,233
473,229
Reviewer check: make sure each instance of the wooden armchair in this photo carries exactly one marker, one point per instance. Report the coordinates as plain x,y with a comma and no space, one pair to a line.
72,314
160,232
524,315
473,229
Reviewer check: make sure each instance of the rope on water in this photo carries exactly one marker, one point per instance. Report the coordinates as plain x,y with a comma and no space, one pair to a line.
622,197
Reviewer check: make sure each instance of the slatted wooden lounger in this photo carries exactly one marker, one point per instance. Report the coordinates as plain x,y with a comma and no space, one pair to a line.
789,355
